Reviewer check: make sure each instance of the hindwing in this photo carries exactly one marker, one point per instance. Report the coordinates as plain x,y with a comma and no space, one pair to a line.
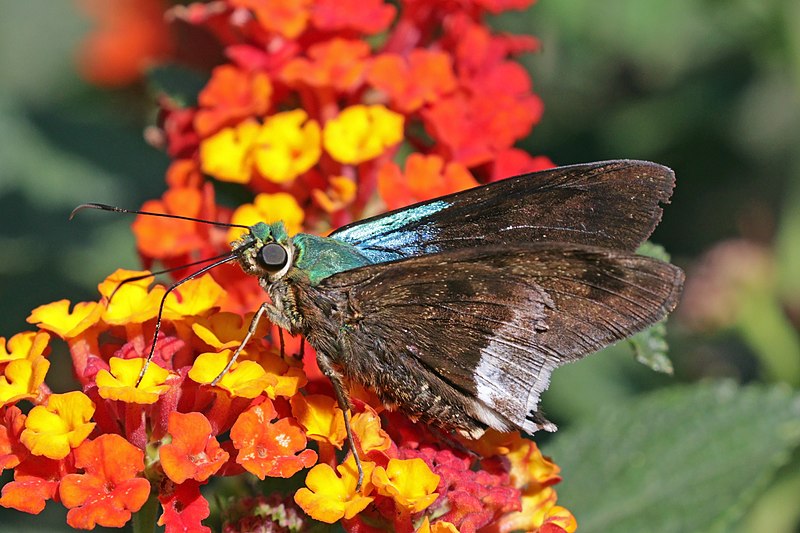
494,322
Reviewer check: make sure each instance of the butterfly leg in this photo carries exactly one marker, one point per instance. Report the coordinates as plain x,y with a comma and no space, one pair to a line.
283,344
265,308
332,374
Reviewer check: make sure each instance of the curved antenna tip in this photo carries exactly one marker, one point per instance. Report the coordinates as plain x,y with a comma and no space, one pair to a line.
81,207
106,207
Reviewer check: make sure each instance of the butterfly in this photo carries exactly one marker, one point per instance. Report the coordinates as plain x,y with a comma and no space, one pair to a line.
456,310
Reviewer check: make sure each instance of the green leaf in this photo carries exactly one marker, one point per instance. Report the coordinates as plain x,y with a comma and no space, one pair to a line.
687,458
180,84
651,249
650,348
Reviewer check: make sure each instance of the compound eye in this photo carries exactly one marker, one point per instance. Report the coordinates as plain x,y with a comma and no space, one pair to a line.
273,257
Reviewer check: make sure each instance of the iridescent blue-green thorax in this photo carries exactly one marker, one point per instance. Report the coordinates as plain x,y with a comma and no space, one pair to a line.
320,257
317,257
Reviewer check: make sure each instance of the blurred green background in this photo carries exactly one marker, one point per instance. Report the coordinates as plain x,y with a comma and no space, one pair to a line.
710,88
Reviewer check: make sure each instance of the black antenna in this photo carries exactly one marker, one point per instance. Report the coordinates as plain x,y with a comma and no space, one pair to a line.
165,271
228,257
104,207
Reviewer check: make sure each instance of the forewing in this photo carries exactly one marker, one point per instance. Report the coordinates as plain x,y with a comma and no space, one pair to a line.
494,323
613,204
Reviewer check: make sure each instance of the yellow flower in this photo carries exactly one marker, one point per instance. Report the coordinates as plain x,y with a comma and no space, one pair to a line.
284,379
409,482
196,297
436,527
226,330
329,497
63,423
340,193
321,418
26,345
287,145
227,155
269,208
282,148
133,302
56,317
120,383
367,427
361,133
245,379
22,378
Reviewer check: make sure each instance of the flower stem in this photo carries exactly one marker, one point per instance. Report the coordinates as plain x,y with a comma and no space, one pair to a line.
144,521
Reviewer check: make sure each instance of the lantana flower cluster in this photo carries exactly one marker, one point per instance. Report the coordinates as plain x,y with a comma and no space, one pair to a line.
318,112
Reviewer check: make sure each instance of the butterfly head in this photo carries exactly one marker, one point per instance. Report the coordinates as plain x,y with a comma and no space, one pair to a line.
266,251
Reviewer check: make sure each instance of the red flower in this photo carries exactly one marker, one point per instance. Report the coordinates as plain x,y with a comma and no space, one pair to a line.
110,488
193,453
130,34
270,448
421,77
184,507
230,96
364,16
12,451
35,481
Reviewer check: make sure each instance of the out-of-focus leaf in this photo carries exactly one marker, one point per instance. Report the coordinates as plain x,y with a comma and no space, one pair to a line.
688,458
650,348
179,84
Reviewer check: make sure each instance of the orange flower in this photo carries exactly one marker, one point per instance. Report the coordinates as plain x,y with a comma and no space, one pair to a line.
321,418
364,16
130,34
361,133
267,448
410,483
162,237
340,193
558,517
473,129
120,382
36,480
285,17
369,433
330,497
420,78
536,508
338,63
110,489
184,507
56,317
59,426
529,468
425,177
193,453
230,96
11,449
